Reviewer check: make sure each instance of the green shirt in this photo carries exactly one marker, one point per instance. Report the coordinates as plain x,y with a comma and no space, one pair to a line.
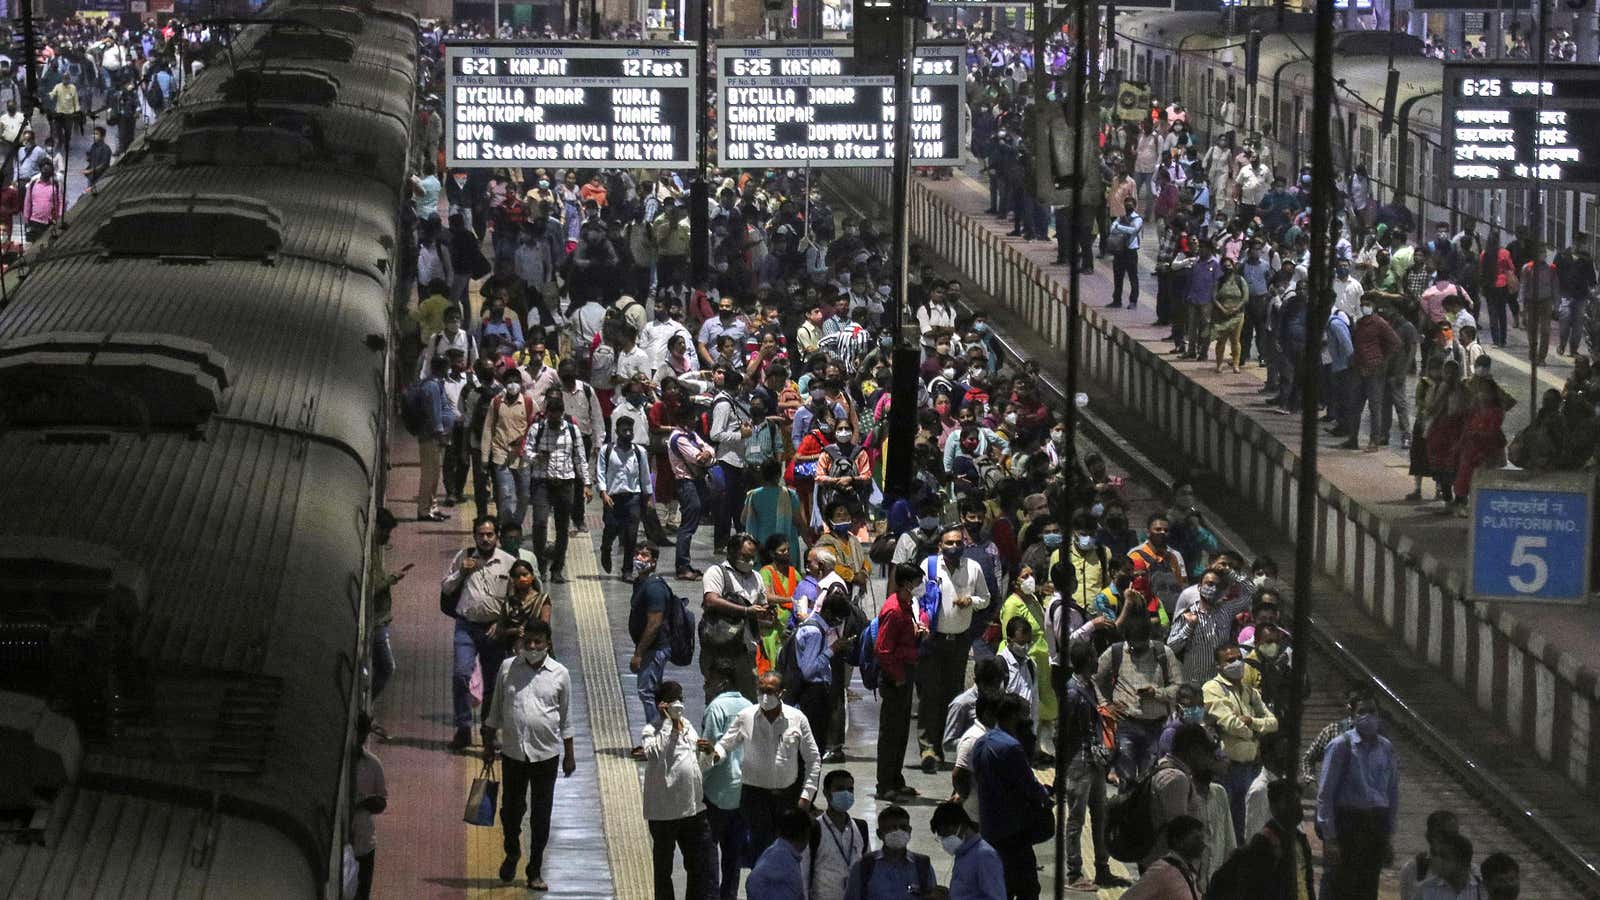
722,781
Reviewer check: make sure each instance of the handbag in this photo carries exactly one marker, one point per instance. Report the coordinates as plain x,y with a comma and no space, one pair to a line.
482,798
720,634
1116,241
1040,824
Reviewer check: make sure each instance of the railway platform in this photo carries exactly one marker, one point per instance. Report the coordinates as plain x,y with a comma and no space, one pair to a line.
1532,667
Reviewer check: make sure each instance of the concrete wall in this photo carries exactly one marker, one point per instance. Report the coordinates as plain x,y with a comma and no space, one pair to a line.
1543,696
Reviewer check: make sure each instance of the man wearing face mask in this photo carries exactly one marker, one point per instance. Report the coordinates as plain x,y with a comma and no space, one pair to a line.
850,556
1204,625
1358,800
1006,788
530,709
1139,678
673,783
781,767
725,322
837,842
1276,863
891,872
557,472
733,594
977,872
647,611
1243,719
962,592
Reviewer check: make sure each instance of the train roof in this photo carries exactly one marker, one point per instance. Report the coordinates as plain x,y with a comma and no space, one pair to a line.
227,573
212,212
290,345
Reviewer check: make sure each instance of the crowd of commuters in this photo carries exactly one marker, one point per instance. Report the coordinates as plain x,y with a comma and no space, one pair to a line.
98,81
562,357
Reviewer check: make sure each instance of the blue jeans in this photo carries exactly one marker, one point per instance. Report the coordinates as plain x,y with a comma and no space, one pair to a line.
511,494
472,643
382,659
1136,747
1236,781
691,506
649,679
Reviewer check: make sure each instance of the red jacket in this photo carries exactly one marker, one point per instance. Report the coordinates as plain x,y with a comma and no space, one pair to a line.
897,639
1375,341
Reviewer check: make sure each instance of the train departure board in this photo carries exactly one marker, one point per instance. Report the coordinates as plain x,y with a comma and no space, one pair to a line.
576,103
799,105
1505,126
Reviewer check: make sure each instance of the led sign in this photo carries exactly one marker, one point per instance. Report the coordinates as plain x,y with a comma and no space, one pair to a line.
1505,126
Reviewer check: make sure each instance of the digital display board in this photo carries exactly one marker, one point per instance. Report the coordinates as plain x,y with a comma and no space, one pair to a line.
802,105
578,103
1505,127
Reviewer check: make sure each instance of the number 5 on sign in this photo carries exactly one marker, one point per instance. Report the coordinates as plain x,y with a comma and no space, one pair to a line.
1530,536
1521,557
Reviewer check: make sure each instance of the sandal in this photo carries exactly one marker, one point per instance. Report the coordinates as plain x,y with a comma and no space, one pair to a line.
538,884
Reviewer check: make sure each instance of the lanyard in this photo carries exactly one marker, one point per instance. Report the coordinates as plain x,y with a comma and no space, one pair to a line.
849,844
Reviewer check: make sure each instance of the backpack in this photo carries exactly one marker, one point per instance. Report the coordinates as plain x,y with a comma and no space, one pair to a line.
867,656
704,413
680,625
921,863
788,662
414,407
1130,826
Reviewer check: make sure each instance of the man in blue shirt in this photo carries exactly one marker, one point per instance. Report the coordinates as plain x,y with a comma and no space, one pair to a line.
1357,801
977,873
814,642
1340,351
777,874
1008,795
891,872
723,785
438,421
1198,294
652,645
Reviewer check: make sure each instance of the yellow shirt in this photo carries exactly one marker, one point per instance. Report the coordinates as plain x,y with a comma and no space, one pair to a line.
1229,704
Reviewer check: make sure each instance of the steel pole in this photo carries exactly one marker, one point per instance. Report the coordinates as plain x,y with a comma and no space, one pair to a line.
699,189
30,49
1536,211
1321,283
903,392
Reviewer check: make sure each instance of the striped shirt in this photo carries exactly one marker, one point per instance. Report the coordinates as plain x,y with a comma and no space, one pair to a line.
1196,644
555,453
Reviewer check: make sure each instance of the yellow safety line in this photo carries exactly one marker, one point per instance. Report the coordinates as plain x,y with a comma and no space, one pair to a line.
621,798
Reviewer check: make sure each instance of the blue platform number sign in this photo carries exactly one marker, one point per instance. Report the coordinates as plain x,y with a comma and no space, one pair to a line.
1530,537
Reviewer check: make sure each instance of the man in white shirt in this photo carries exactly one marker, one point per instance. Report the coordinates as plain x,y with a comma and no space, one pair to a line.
530,709
674,778
837,842
936,318
557,471
622,475
781,767
667,322
453,337
1450,875
962,592
371,798
632,360
478,578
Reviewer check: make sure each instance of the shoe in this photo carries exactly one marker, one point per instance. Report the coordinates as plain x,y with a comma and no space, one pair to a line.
605,559
1106,878
1405,442
1013,234
1080,884
433,515
449,500
1339,433
626,578
689,574
544,565
1235,370
1115,304
1351,444
535,883
462,739
833,756
508,869
1373,447
906,792
930,764
1043,760
581,529
558,578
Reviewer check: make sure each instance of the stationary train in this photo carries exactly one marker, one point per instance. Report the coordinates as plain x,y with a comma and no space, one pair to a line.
193,373
1200,58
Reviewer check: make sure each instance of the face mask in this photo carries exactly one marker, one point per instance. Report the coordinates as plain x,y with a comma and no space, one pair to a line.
642,568
949,373
1027,585
534,657
1208,591
636,399
1267,650
896,840
951,843
929,523
1059,438
1259,581
770,702
1053,539
1194,713
840,528
980,327
1366,310
1085,542
662,315
743,566
1097,510
951,553
1367,724
1233,671
1019,650
843,436
1011,418
842,800
675,710
511,545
